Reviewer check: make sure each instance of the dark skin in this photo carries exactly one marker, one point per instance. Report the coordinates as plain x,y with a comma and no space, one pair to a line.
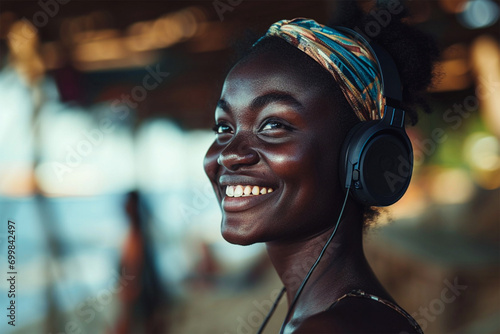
276,132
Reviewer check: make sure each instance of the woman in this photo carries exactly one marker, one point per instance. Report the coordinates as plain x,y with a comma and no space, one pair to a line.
284,112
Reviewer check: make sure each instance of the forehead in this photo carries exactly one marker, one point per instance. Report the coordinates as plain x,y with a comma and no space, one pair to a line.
268,71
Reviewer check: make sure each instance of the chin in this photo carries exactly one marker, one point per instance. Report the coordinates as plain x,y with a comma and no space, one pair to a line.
237,239
238,236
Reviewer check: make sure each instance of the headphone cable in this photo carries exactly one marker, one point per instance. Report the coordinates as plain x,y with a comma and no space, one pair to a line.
271,311
299,291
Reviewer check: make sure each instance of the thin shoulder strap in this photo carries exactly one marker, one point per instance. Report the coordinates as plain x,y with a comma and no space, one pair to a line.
361,293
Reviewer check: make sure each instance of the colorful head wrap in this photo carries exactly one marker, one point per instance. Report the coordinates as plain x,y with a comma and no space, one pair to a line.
345,56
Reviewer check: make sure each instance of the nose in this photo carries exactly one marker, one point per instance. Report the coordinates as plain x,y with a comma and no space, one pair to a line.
238,153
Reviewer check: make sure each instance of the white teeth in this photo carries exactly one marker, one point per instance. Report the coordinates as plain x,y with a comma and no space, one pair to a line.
239,190
255,190
247,191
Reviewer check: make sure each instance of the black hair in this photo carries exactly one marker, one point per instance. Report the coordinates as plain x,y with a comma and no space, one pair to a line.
414,53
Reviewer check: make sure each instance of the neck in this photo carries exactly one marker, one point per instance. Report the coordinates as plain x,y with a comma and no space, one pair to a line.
342,267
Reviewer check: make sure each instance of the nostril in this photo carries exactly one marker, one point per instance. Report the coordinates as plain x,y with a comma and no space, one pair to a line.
233,157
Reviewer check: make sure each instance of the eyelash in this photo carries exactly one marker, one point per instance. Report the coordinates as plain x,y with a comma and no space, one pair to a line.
278,122
216,127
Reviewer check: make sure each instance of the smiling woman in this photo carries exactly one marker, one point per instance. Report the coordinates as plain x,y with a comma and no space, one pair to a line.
284,113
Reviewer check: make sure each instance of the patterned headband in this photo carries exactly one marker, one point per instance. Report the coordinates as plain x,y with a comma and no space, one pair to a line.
350,62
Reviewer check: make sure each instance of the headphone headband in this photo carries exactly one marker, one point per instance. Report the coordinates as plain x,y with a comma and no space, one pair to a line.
391,83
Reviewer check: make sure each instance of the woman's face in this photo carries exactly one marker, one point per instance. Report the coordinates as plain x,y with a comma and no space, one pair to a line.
274,132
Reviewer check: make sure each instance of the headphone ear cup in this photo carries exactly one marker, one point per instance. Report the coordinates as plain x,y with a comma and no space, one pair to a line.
376,163
351,143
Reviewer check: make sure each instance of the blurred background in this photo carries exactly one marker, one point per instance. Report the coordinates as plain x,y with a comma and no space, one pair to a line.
105,111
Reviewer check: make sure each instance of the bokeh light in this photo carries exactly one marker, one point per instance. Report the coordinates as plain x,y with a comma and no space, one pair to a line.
479,14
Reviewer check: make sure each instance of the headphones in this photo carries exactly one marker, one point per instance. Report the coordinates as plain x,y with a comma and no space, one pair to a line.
376,158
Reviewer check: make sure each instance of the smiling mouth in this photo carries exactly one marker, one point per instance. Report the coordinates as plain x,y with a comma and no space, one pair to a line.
247,191
245,197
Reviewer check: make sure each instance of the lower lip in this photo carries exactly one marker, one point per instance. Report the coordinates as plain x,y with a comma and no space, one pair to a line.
238,204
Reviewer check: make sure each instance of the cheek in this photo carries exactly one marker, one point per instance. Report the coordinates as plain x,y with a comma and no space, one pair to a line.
210,162
309,174
309,186
303,165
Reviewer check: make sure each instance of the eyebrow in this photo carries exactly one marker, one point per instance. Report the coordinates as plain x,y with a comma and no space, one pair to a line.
263,100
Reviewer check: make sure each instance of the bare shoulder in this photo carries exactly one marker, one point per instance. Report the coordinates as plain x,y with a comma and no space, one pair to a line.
356,315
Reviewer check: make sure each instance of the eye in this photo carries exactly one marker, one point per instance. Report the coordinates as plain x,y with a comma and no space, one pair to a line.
222,127
277,125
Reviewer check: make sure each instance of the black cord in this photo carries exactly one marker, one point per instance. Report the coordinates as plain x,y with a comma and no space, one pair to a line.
299,291
271,311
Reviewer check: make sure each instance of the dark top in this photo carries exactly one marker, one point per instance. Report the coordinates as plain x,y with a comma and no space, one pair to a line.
362,294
